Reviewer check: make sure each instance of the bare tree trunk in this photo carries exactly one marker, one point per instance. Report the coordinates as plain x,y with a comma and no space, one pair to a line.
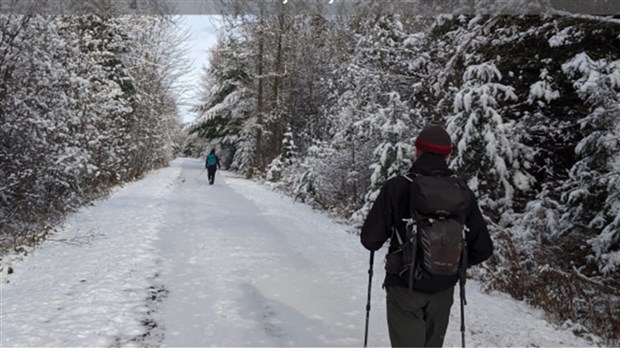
355,195
258,160
276,138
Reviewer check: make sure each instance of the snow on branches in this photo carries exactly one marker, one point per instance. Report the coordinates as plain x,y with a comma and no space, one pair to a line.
86,104
593,188
487,153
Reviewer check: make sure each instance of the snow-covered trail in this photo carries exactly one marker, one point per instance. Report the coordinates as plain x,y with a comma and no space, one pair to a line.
256,272
172,261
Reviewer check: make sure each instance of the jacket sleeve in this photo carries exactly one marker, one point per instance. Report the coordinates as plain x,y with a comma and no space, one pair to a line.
376,228
480,245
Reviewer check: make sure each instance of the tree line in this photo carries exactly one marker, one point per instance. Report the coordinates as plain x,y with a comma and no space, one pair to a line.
87,102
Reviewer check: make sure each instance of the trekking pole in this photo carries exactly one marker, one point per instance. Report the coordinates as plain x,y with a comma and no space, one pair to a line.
372,259
201,173
463,303
462,279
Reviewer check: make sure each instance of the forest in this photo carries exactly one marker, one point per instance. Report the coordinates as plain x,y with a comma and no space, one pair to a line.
87,103
325,107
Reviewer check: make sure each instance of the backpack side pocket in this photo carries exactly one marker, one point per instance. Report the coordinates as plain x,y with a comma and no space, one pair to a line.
393,262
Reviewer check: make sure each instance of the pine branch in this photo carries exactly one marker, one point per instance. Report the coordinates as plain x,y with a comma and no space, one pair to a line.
567,14
441,79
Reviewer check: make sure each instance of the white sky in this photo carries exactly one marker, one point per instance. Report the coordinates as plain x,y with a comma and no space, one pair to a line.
233,265
202,36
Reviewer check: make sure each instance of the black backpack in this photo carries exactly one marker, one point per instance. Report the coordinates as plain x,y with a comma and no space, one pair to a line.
435,241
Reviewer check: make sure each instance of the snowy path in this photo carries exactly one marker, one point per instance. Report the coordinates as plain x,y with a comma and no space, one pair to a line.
172,261
244,276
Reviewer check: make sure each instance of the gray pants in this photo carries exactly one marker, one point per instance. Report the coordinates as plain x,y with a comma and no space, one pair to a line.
418,319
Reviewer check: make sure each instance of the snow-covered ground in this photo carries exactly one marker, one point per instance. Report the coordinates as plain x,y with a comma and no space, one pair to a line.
172,261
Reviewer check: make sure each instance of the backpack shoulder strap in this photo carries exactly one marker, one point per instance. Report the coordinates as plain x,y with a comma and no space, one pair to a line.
411,176
460,182
411,220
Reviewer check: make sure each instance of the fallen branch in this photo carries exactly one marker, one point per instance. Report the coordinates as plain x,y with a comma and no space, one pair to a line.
590,280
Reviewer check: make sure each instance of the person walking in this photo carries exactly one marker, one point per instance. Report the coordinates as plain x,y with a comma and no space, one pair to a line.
419,300
212,165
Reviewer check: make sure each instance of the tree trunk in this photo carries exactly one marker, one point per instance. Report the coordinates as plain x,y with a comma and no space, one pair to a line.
276,138
258,160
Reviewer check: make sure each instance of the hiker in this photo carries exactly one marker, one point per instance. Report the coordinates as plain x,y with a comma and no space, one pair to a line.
418,301
212,164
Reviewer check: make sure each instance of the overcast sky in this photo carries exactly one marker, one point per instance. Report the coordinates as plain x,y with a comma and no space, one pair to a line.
202,36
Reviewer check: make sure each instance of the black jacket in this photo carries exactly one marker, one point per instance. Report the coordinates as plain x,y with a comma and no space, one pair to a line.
392,206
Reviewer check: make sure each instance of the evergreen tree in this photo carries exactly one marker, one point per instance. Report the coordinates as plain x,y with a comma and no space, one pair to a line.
283,160
370,83
487,153
592,192
393,156
228,102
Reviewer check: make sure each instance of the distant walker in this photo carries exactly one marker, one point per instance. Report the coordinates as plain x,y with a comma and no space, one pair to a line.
212,164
